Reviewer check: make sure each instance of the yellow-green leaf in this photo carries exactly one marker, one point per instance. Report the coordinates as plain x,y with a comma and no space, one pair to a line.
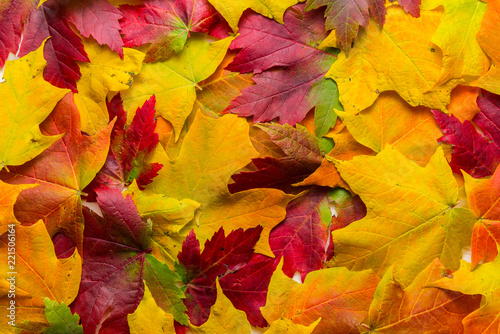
175,80
149,318
27,99
412,215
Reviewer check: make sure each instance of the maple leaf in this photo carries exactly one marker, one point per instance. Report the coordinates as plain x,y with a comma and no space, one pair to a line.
473,152
407,205
483,198
398,310
349,208
97,18
486,318
220,258
224,318
13,13
302,156
344,292
302,238
489,42
462,55
39,274
115,263
201,171
284,326
62,172
149,318
218,90
284,93
165,24
129,148
60,319
390,120
27,101
463,102
105,73
382,60
174,81
232,11
8,199
62,50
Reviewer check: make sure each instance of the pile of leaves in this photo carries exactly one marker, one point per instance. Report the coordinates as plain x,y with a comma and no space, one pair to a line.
167,166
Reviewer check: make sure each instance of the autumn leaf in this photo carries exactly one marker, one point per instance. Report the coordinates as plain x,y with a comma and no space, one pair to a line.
302,156
130,148
39,274
224,318
415,206
339,296
232,11
486,319
456,36
284,326
201,173
62,50
13,13
382,60
390,120
97,18
166,25
149,318
62,172
112,284
27,101
285,93
174,81
483,198
398,310
105,73
349,208
8,199
60,319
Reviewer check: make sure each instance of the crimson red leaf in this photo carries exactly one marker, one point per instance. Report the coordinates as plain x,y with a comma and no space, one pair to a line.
285,93
13,13
61,51
488,117
115,263
165,24
349,208
130,148
97,18
472,151
302,238
63,246
221,256
247,287
411,6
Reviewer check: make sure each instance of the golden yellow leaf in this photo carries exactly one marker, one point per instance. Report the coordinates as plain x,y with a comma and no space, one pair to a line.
456,36
286,326
27,99
149,318
390,120
399,57
39,274
224,318
339,296
489,39
8,197
175,80
412,215
105,73
201,172
232,10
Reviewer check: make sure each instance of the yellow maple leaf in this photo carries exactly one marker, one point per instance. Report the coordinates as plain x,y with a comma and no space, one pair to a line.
286,326
232,10
8,198
174,81
412,215
149,318
39,274
224,318
27,99
201,172
456,36
105,73
399,57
